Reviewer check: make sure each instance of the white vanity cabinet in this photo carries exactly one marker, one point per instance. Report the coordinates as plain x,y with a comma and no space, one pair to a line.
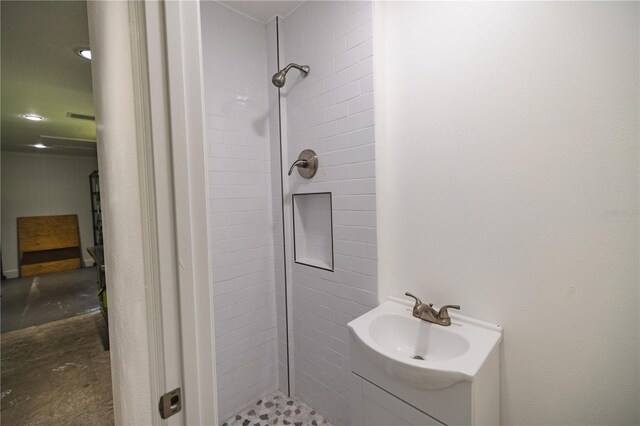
404,371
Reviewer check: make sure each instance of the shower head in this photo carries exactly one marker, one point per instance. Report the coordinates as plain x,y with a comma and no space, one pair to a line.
279,78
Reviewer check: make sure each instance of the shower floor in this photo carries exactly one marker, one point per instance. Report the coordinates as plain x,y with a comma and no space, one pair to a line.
277,409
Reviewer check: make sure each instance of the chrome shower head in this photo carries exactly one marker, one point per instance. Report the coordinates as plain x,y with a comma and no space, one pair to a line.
279,78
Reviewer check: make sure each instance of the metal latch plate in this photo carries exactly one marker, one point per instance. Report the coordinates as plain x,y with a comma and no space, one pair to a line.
170,403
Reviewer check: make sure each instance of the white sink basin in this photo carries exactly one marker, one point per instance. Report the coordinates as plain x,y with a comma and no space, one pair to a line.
426,355
405,338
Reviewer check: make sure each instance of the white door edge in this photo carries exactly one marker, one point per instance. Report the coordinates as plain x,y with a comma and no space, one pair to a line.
185,84
169,233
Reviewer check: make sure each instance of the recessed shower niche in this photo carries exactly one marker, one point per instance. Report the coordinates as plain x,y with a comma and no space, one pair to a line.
313,230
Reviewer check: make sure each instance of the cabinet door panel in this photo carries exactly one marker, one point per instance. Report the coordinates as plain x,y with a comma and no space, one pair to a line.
380,408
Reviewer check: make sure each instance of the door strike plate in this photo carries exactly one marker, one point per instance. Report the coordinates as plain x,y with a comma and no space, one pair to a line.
170,403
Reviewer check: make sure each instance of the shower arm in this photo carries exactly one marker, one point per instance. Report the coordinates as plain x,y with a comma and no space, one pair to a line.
304,69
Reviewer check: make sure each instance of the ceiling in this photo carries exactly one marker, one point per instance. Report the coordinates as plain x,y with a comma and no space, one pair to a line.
43,75
265,10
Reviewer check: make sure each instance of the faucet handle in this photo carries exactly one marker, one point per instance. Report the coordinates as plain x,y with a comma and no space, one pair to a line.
444,313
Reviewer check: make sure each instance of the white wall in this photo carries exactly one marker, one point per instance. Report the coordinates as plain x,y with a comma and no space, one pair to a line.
508,184
44,185
242,256
331,112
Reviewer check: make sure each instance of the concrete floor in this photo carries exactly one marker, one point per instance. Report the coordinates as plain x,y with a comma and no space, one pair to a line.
45,298
57,374
54,366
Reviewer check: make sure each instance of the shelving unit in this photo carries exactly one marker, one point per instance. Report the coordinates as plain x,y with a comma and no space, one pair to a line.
96,213
97,252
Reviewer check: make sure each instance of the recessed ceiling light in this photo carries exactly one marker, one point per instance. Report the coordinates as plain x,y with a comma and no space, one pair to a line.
39,146
33,117
85,53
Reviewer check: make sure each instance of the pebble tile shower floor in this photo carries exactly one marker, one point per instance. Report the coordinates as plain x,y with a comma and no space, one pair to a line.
277,409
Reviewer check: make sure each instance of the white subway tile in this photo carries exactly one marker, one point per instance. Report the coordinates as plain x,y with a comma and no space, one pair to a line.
371,251
336,112
335,158
366,13
337,142
365,49
362,153
364,235
347,59
356,122
221,123
366,84
362,137
325,101
334,11
355,5
336,80
314,90
361,69
335,48
359,35
362,202
214,136
321,131
335,173
315,119
362,170
349,248
361,103
347,92
301,110
322,70
221,151
358,186
345,25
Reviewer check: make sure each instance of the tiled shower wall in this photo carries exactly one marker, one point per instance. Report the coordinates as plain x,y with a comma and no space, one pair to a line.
242,239
331,112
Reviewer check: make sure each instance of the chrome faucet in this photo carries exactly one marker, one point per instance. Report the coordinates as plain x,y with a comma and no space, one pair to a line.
426,312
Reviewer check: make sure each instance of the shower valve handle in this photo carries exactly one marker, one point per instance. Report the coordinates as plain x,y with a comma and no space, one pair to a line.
298,163
307,164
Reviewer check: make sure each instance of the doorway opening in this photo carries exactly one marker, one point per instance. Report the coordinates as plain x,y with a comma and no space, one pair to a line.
55,346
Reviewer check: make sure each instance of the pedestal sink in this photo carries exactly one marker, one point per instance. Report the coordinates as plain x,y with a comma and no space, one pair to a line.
418,361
